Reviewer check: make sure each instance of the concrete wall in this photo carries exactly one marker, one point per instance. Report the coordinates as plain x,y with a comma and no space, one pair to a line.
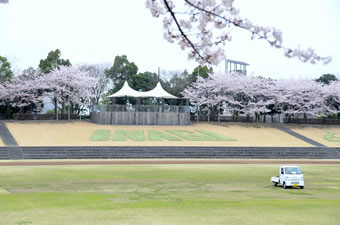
115,152
141,118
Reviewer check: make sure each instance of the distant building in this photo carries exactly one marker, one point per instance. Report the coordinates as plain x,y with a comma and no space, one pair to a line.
235,66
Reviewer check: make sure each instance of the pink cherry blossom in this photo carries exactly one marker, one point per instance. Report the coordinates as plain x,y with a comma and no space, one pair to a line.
202,27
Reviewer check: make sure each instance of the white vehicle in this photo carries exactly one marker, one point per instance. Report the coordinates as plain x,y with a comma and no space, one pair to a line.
290,176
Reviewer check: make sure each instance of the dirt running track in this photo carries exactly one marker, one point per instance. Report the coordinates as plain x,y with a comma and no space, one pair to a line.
138,162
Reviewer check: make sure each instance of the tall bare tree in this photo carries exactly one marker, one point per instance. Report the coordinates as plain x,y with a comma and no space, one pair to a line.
103,83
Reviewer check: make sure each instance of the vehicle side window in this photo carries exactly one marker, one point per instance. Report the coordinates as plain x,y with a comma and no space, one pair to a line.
281,170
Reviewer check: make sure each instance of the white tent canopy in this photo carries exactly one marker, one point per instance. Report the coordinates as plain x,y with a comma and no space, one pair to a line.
126,90
157,92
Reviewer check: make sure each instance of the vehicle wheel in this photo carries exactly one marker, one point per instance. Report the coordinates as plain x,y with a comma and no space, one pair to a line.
302,187
275,184
284,185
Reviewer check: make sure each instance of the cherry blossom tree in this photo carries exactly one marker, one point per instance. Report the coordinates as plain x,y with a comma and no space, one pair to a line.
3,93
202,92
256,96
70,86
26,90
203,26
332,97
234,92
300,97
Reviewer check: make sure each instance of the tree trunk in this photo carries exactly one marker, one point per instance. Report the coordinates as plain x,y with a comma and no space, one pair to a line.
56,107
63,108
218,111
208,114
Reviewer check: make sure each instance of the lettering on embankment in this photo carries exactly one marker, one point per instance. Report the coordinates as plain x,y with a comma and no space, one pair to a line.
332,136
153,135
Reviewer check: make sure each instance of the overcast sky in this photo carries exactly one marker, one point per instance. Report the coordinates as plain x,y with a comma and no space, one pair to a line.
95,31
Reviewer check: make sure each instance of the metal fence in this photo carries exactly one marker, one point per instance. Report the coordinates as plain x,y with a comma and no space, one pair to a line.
28,116
140,108
222,118
322,121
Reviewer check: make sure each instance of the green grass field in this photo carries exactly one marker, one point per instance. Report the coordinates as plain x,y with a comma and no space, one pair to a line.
166,194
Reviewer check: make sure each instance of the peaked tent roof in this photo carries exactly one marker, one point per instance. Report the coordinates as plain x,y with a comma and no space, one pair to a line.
126,90
157,92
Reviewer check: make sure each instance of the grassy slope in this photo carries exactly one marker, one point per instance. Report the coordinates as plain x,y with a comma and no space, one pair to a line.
166,194
75,133
320,134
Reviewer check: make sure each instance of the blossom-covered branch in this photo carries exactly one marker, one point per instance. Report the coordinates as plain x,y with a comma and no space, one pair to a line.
203,26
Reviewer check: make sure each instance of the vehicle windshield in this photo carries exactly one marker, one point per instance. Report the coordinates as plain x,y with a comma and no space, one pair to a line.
293,170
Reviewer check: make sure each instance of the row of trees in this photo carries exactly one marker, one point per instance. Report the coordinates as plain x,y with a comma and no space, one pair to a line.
56,79
255,96
68,86
73,87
